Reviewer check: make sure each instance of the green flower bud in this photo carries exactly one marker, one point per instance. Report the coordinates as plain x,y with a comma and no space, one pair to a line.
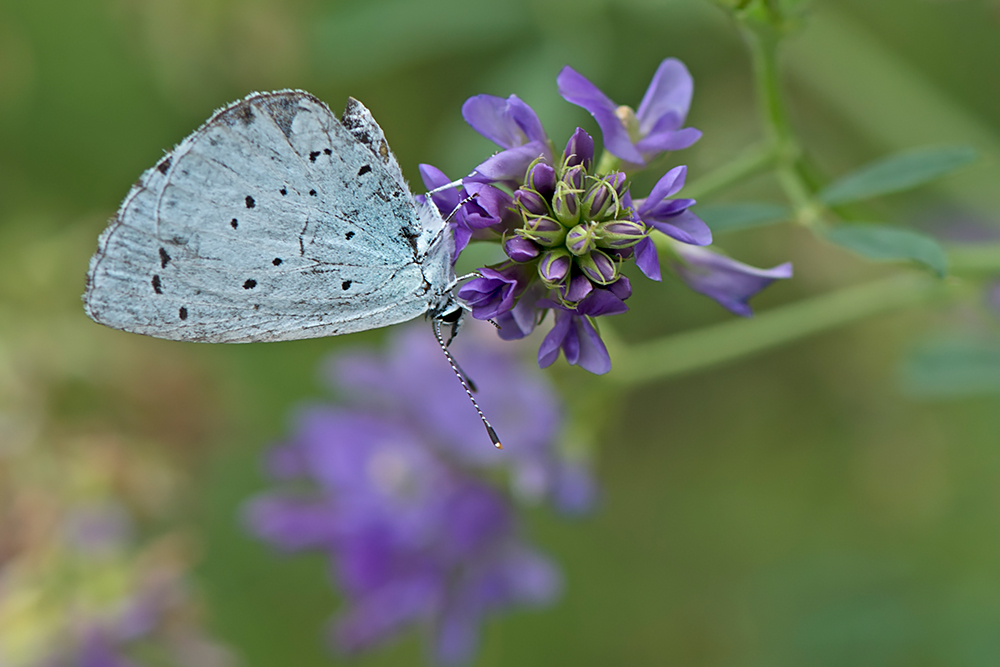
599,268
554,266
618,234
600,201
566,204
543,230
580,240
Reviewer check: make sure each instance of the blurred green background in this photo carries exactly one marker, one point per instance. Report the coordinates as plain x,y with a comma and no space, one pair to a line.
791,509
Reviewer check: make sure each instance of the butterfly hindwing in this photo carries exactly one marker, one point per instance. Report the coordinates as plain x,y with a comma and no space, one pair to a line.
273,221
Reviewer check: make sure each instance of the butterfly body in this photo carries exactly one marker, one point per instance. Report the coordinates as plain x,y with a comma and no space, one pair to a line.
273,221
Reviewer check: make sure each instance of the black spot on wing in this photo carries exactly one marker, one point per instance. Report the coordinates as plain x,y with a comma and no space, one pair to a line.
157,286
313,155
328,151
164,258
250,202
182,313
250,283
276,261
283,191
164,165
349,235
346,285
312,192
364,170
234,223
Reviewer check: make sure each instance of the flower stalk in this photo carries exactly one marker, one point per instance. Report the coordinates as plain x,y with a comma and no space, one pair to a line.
705,347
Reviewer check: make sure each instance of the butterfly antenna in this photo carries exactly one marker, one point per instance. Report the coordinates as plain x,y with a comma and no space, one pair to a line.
462,203
468,392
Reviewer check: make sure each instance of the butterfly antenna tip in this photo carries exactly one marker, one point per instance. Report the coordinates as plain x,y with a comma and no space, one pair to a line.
468,392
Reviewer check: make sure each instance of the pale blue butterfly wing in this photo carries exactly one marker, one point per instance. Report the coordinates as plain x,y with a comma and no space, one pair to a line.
273,221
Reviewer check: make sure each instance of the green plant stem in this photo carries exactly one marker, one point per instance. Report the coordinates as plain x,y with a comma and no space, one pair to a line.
979,258
751,161
705,347
763,41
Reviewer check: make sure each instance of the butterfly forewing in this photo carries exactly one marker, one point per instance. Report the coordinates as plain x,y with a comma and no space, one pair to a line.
271,222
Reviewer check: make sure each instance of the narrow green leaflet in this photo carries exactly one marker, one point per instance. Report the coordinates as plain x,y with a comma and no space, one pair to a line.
723,218
885,243
897,173
952,367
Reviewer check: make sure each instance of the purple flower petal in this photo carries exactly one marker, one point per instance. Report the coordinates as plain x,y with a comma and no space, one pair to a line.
548,352
491,206
520,321
669,95
574,489
993,297
593,355
602,302
458,635
384,612
686,227
647,259
289,523
664,209
506,122
446,200
659,142
510,165
462,237
477,515
493,292
98,651
576,337
577,288
621,288
577,89
668,185
729,282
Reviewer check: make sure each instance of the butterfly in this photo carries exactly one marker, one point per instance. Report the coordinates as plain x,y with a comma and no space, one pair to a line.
275,220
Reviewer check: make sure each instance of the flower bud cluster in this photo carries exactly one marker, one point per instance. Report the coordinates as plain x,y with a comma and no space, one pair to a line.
574,224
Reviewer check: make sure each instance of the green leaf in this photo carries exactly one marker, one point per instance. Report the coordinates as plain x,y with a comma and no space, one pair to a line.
723,218
952,367
887,244
897,173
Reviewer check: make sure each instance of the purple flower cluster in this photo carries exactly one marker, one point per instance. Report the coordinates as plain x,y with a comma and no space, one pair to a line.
416,538
158,619
568,229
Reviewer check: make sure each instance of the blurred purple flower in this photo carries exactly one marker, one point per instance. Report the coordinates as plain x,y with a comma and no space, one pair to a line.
729,282
993,296
158,615
415,537
640,136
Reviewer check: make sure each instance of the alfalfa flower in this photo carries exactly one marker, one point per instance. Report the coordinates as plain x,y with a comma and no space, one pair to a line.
639,136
